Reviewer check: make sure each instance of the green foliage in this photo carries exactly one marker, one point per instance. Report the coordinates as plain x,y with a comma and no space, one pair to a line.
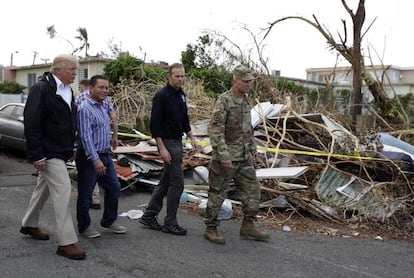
200,55
215,81
124,67
83,39
343,97
285,85
155,74
309,99
7,87
400,102
318,95
407,102
188,57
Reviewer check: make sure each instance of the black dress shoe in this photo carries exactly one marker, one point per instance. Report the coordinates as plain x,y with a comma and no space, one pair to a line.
151,222
174,229
35,233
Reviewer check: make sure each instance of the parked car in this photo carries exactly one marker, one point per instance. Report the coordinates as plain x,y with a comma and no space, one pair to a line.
12,127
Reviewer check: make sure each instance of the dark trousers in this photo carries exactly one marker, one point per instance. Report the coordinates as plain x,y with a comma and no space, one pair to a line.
87,178
171,185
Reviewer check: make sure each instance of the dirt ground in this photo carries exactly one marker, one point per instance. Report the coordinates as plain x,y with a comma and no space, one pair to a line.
302,223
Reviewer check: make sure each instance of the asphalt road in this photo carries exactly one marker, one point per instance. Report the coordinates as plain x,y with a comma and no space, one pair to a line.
146,253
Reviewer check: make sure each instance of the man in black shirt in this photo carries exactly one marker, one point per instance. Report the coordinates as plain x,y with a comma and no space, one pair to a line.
169,120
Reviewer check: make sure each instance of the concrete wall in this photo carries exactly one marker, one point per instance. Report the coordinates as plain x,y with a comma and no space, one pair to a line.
7,98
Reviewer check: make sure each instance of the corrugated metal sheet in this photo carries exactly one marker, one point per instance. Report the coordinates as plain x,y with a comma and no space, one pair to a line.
145,166
350,193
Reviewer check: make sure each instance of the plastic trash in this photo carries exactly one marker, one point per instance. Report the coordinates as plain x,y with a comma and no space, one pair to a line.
286,229
226,210
192,198
279,202
200,175
133,214
183,197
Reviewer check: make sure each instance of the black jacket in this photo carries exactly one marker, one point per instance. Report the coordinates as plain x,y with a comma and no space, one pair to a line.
169,116
49,124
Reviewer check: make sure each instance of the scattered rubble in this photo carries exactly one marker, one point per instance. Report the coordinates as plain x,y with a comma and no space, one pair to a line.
315,175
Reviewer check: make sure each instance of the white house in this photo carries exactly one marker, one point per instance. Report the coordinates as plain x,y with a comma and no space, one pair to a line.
28,75
396,80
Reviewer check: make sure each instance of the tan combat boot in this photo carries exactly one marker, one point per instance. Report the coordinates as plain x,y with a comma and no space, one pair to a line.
212,235
248,230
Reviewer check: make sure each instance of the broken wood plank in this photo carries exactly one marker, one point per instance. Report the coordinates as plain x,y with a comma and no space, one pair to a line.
291,186
135,149
196,187
201,155
154,157
281,173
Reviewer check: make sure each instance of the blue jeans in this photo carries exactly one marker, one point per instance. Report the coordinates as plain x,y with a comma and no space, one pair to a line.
87,178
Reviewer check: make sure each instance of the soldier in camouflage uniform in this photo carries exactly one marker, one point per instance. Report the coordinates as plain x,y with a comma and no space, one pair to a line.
234,153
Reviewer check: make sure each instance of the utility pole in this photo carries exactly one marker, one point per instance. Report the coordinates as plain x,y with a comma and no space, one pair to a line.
11,57
34,57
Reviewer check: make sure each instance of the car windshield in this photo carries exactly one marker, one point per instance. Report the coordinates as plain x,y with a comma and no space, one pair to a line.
13,111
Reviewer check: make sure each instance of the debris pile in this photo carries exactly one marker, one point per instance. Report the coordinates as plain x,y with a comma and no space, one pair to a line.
308,164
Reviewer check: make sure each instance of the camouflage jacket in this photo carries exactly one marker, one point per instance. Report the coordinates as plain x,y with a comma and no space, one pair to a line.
230,129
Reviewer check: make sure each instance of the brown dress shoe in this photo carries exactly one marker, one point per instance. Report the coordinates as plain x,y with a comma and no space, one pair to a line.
95,206
35,233
71,252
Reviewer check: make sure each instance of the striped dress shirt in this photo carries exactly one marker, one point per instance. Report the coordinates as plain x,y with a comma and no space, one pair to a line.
94,131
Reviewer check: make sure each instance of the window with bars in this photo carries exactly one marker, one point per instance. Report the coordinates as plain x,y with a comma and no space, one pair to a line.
31,80
82,74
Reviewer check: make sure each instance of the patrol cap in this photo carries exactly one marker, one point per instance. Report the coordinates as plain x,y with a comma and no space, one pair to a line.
242,72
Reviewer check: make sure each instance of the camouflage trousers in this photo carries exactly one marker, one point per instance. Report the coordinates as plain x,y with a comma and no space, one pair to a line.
244,176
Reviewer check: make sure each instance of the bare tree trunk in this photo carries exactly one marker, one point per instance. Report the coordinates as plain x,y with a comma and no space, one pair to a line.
358,20
354,57
384,103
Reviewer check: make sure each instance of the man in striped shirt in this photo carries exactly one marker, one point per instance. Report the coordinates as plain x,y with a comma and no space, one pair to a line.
94,162
108,106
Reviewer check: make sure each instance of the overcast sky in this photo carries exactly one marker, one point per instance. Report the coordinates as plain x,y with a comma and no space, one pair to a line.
161,29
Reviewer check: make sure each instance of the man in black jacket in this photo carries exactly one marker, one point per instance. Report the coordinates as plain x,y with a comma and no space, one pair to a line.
50,127
169,119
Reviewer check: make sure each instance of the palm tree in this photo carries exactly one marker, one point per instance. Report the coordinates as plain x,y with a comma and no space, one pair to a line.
51,31
83,38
